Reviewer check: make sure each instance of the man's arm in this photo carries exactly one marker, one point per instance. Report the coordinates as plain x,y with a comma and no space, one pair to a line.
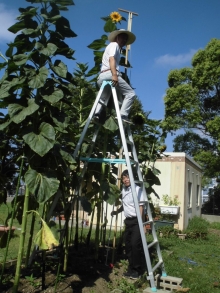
142,212
112,65
118,211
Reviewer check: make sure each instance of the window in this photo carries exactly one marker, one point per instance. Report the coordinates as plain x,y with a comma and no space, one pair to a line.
197,195
189,194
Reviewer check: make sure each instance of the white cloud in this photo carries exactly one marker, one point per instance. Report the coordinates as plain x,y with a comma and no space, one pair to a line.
175,60
7,18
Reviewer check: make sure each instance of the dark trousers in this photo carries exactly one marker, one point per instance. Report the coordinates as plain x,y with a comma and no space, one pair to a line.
133,243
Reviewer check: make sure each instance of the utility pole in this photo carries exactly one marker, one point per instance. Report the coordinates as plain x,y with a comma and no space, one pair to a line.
130,14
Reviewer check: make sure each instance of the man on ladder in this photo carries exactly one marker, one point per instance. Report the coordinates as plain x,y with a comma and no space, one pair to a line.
110,71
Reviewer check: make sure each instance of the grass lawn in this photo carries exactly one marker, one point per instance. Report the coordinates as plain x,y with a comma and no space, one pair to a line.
196,261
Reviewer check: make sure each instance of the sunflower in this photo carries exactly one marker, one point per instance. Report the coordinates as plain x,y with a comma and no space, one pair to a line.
115,16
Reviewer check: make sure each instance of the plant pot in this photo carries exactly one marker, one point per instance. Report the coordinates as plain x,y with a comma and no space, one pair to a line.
169,210
163,223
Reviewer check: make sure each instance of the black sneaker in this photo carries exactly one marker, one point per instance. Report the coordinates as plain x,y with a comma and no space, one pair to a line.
134,275
127,274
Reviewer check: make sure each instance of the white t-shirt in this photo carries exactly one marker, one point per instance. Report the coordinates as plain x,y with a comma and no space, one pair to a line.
112,50
128,202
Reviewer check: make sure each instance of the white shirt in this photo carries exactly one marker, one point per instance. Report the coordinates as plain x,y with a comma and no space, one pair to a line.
112,50
128,202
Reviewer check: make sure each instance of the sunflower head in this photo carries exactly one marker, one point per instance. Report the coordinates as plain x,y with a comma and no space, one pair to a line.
115,16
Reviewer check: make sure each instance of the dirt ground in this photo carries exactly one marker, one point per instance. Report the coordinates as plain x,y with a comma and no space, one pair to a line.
84,275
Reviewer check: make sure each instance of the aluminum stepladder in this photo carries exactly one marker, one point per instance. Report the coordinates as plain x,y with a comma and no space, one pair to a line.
125,130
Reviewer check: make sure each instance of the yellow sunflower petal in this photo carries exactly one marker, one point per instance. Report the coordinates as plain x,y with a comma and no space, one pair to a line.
115,16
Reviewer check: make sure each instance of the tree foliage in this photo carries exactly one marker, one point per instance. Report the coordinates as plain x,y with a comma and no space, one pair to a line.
192,102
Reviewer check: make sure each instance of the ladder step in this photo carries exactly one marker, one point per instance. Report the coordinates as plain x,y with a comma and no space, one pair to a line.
148,222
157,265
152,243
138,182
104,105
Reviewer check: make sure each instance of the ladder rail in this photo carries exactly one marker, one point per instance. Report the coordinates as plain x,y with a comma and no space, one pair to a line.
140,177
133,188
97,100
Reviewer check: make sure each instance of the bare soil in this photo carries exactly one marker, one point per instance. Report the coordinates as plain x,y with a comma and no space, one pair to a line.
84,275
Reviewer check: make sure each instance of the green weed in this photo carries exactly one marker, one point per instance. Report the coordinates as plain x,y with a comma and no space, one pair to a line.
32,280
215,225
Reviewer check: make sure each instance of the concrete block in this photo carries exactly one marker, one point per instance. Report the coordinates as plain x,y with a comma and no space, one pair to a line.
168,283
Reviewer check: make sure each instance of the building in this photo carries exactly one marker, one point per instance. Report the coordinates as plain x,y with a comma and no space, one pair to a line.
180,177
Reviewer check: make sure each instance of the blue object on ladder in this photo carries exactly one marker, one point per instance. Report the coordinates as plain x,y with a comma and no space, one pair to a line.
104,160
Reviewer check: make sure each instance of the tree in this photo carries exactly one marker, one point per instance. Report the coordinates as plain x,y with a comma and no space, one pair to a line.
192,102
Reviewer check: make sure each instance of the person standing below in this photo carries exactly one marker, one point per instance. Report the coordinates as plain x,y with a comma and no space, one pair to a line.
133,242
110,71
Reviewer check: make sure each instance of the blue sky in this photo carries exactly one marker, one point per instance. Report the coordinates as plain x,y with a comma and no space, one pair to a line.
168,33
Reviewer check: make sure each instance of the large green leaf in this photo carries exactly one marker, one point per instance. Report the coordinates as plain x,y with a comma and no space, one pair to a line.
67,157
63,28
39,79
13,109
5,87
34,33
41,185
17,27
111,192
64,2
55,97
97,44
30,11
61,122
59,68
110,26
110,124
23,111
41,143
86,204
4,125
50,49
20,59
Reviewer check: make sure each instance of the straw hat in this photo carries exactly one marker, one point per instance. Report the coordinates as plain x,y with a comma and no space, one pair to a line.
114,34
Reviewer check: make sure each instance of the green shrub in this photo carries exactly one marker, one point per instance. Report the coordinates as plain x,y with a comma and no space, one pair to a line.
197,228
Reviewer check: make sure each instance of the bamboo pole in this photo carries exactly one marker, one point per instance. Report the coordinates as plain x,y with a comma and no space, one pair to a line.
30,239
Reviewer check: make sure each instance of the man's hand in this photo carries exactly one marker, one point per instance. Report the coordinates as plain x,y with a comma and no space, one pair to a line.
114,80
113,213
